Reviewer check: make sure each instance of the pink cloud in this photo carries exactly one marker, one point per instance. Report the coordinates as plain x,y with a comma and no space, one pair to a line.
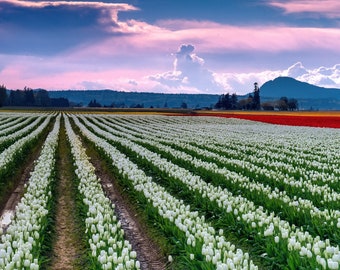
42,4
218,37
110,9
53,74
330,8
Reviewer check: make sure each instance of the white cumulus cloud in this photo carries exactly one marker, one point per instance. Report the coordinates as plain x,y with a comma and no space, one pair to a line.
189,73
296,70
322,76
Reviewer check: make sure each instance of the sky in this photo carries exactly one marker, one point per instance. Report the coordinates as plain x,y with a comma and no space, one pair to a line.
168,46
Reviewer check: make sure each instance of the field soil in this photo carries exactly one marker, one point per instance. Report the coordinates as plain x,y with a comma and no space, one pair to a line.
68,248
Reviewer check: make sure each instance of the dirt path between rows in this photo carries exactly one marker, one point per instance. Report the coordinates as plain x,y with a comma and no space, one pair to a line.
67,249
148,250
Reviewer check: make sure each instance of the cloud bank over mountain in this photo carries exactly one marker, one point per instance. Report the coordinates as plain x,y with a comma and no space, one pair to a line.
190,75
328,77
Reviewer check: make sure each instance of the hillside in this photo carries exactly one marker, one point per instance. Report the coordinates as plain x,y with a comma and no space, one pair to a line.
128,99
293,88
308,95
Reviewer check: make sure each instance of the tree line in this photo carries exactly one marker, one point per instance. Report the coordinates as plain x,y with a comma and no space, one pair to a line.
40,98
253,102
231,102
30,98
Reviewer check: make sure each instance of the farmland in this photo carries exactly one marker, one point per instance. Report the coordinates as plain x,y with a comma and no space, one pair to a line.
134,191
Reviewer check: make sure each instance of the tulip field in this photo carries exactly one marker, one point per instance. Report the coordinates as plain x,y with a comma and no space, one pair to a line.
214,192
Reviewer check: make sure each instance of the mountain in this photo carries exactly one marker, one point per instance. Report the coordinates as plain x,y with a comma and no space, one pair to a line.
131,99
308,95
286,86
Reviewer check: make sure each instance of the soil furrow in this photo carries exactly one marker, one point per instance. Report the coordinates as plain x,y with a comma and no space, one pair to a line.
68,248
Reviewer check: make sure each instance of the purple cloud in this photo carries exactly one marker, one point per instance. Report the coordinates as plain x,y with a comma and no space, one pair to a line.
327,8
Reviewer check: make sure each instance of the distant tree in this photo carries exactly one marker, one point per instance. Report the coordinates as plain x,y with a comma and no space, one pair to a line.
282,104
292,104
94,103
234,102
247,103
218,104
253,102
29,97
17,98
42,98
184,105
224,102
60,102
256,100
3,95
268,106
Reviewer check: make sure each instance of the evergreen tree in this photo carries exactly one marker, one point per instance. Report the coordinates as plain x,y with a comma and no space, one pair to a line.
17,98
234,102
227,102
29,97
3,95
256,98
94,103
42,98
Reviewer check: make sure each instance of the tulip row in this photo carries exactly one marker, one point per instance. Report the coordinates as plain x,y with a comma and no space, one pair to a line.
6,119
263,168
270,147
311,149
9,119
12,125
274,198
213,247
105,235
8,154
19,133
267,225
21,242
